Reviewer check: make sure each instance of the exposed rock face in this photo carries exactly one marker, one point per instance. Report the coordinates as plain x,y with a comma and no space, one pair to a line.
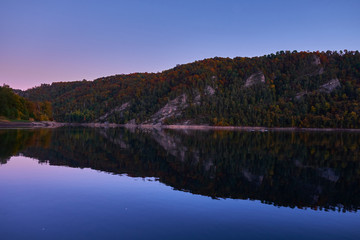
197,99
175,107
115,110
299,95
171,109
330,86
255,79
325,88
316,60
209,91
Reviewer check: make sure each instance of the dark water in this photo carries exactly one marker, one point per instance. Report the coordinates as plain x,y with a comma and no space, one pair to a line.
92,183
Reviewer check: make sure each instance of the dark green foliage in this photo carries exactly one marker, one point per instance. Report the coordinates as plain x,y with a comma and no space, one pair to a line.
273,103
14,107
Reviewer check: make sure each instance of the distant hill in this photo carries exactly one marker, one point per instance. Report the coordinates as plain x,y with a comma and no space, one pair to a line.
14,107
302,89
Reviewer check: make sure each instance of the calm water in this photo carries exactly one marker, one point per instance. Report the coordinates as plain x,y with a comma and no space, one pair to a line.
85,183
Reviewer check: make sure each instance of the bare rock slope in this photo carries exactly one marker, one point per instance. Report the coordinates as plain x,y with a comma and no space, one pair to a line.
173,108
255,79
328,87
115,110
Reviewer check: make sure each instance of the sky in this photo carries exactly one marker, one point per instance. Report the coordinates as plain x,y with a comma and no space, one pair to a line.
67,40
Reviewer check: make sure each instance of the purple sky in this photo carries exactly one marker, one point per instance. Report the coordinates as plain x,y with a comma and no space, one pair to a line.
49,41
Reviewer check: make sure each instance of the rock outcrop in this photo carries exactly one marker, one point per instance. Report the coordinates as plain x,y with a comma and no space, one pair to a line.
209,91
173,108
255,79
317,60
299,95
115,110
330,86
325,88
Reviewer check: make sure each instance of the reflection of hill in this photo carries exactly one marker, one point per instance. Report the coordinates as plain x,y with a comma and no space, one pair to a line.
12,141
317,170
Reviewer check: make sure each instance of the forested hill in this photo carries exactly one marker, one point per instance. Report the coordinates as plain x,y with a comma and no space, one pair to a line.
14,107
302,89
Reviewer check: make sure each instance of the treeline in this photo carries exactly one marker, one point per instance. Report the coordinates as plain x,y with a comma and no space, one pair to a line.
291,95
15,107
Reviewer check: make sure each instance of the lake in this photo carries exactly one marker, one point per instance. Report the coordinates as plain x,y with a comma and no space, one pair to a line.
118,183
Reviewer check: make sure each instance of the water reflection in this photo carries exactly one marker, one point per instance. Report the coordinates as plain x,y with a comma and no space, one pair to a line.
292,169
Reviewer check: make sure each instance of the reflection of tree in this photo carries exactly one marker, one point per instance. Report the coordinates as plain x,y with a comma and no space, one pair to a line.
14,140
295,169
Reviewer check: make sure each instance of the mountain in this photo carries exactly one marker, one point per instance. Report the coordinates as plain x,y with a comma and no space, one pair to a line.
15,107
301,89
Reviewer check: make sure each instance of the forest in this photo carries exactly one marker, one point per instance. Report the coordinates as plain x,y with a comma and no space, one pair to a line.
285,89
14,107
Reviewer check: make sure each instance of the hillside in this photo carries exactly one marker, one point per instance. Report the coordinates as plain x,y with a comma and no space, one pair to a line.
302,89
14,107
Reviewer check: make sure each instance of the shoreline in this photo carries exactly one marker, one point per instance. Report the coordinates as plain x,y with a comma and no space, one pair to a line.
49,124
258,129
27,125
